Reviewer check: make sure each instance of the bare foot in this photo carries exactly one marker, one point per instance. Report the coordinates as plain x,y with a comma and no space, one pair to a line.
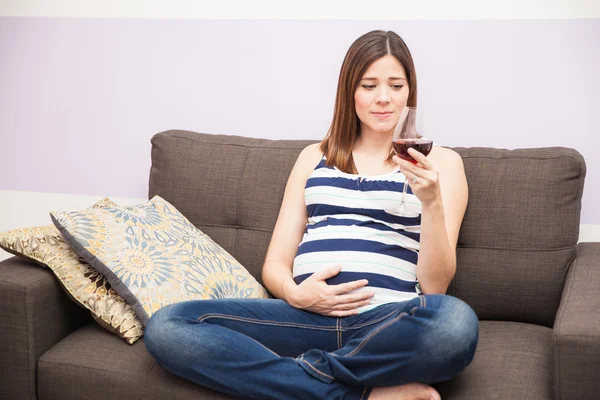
410,391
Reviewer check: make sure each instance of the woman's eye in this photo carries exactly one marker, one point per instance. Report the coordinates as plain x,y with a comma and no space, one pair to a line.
398,86
369,86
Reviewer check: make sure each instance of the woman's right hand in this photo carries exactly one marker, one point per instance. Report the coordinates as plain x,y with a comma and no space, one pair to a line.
314,294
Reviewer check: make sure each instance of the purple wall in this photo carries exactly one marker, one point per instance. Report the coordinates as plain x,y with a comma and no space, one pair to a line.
80,98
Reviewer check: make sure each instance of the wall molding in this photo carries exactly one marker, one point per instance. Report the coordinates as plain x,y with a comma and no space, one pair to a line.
306,9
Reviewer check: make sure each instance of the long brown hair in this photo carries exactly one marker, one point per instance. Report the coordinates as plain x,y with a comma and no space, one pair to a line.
345,127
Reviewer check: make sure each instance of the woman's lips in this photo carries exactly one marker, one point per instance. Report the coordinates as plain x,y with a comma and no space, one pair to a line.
382,115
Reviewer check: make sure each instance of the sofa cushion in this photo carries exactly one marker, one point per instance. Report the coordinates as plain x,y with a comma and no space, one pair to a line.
524,199
528,284
94,365
153,256
513,361
84,285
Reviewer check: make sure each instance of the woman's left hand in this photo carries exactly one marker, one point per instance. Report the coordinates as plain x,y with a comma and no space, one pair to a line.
422,178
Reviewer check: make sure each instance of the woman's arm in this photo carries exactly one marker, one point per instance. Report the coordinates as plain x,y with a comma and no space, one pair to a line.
290,225
442,189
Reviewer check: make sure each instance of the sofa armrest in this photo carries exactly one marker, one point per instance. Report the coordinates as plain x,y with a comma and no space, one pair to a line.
35,313
577,328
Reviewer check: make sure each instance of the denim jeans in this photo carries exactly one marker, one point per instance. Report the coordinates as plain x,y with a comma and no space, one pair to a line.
266,349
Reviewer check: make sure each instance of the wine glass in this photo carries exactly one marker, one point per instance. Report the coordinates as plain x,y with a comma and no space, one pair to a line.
409,134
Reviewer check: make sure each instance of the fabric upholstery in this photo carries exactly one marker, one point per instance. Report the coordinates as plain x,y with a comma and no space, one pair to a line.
577,330
513,361
527,283
524,199
74,369
519,232
35,314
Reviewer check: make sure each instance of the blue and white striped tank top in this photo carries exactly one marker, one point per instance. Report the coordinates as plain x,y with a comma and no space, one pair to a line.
348,226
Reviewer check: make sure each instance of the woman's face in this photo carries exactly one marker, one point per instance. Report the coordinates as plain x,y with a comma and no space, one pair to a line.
381,95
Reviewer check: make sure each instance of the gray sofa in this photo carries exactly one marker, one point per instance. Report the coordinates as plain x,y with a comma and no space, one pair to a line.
535,290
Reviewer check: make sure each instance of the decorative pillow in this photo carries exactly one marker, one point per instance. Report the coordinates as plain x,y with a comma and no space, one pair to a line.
45,246
153,256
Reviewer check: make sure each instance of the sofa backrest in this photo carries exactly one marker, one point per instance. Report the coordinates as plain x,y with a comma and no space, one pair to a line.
516,243
520,231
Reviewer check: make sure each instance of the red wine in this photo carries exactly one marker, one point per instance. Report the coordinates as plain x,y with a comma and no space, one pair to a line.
401,147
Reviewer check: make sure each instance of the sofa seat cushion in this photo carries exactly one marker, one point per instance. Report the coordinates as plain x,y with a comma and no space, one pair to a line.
513,361
93,364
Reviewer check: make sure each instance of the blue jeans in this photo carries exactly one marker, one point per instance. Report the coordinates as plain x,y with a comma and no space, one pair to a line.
266,349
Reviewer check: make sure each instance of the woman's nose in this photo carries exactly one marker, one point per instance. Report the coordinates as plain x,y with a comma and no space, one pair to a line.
383,97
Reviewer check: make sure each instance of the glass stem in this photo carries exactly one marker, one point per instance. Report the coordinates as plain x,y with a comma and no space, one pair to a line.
404,187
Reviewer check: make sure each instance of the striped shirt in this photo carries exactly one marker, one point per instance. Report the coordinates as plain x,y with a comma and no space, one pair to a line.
348,225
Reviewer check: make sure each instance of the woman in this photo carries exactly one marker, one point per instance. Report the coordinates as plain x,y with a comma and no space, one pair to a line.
360,310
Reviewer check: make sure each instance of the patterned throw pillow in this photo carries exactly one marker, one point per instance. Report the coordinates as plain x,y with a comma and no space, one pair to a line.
45,246
153,256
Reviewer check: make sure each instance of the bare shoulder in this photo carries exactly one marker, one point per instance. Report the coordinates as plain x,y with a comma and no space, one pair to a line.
308,159
312,150
446,159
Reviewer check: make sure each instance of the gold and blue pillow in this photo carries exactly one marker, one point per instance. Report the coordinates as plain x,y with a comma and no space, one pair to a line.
153,256
45,246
